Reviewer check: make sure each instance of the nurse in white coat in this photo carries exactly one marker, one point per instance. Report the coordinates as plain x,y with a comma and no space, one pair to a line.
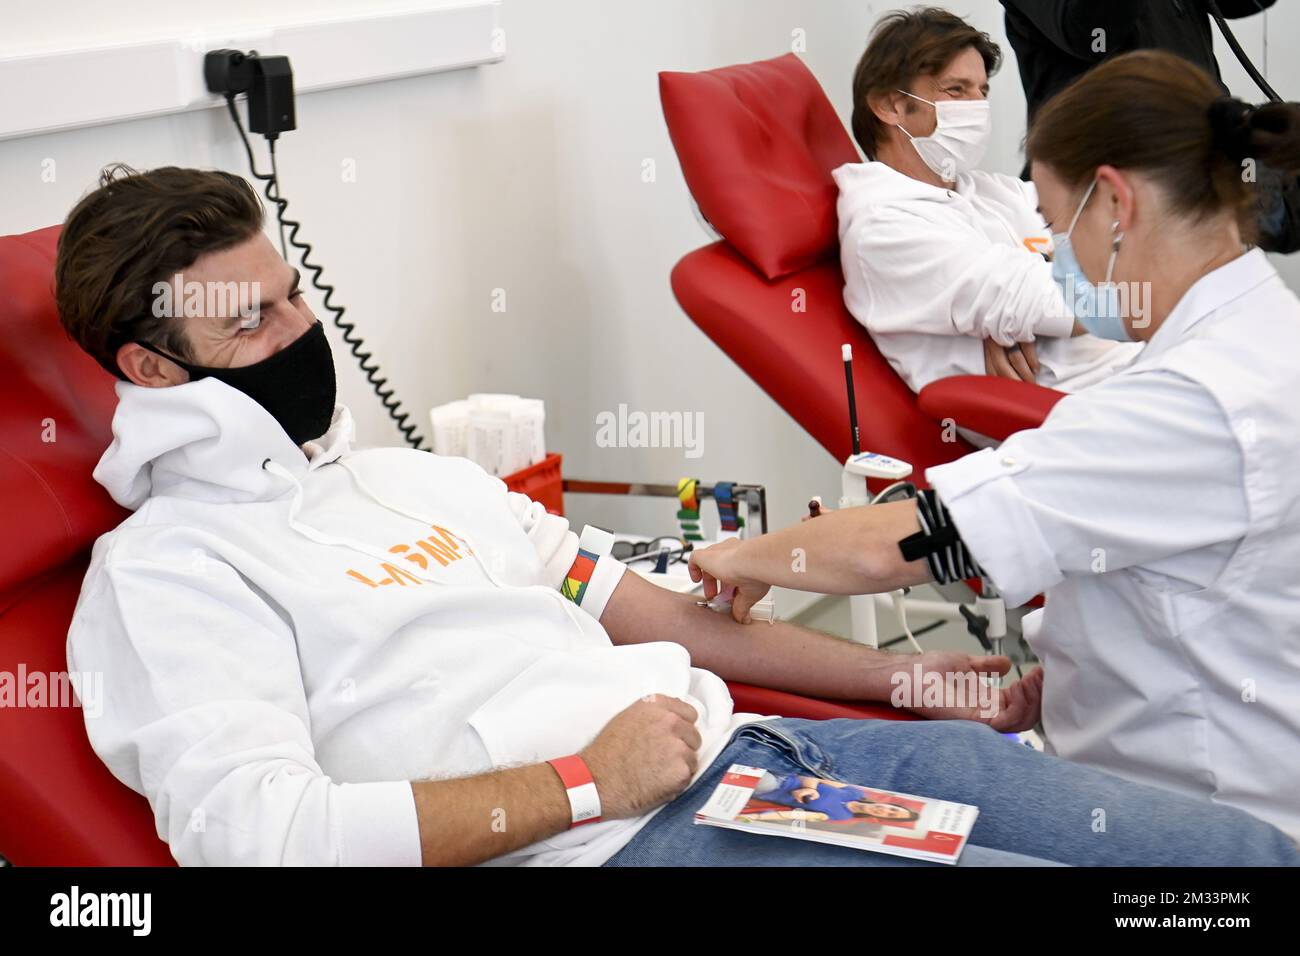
1159,510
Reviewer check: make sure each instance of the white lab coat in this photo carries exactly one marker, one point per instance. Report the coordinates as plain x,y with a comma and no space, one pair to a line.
1160,511
933,272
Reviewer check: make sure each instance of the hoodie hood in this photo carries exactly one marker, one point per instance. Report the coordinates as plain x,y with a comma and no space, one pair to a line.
207,441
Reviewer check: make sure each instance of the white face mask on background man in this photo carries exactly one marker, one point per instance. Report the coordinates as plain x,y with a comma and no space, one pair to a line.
960,137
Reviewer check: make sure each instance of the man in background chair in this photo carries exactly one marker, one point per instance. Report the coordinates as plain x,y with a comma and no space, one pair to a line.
943,262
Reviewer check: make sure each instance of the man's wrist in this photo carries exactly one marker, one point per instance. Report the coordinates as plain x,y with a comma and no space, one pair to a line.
878,670
579,788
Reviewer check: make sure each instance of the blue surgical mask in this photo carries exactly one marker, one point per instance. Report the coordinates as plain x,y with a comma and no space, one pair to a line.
1096,306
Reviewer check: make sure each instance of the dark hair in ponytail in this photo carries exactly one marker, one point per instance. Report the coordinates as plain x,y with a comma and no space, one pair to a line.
1159,114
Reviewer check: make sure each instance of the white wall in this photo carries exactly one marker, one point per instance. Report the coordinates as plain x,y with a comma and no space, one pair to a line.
526,176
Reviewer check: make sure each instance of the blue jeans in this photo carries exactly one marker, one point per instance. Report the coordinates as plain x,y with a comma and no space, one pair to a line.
1034,809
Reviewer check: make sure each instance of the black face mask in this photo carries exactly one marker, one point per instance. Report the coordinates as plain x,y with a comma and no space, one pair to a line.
296,384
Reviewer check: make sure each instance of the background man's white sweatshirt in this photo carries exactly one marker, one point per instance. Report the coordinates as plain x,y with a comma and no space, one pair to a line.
287,636
932,272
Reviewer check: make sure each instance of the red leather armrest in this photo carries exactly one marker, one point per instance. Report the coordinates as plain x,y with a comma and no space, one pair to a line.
996,407
749,699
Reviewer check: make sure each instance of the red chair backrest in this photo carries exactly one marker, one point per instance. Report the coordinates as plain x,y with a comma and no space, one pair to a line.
60,805
758,143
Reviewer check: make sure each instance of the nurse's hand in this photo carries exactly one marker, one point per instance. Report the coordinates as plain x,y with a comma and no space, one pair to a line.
1018,363
722,565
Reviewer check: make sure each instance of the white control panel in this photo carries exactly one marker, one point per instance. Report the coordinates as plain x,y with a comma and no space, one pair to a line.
870,464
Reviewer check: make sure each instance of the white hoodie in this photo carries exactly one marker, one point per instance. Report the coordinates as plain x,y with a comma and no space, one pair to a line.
932,272
288,636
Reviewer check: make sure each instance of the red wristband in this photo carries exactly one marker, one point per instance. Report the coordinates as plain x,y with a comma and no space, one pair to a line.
580,786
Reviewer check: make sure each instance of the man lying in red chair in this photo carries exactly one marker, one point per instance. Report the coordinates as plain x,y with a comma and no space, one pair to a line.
943,262
313,654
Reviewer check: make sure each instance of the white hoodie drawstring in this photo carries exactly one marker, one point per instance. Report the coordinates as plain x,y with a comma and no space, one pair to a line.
308,531
474,552
276,468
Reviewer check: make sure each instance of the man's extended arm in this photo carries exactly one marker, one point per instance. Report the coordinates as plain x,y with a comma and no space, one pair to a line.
795,659
784,656
781,656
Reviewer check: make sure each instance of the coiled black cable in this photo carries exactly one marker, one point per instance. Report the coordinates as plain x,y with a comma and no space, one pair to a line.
271,188
1250,68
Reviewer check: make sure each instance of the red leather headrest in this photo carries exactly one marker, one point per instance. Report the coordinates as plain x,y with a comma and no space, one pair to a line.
56,412
757,144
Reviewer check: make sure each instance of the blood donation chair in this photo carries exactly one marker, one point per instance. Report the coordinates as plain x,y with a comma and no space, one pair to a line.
757,143
59,805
